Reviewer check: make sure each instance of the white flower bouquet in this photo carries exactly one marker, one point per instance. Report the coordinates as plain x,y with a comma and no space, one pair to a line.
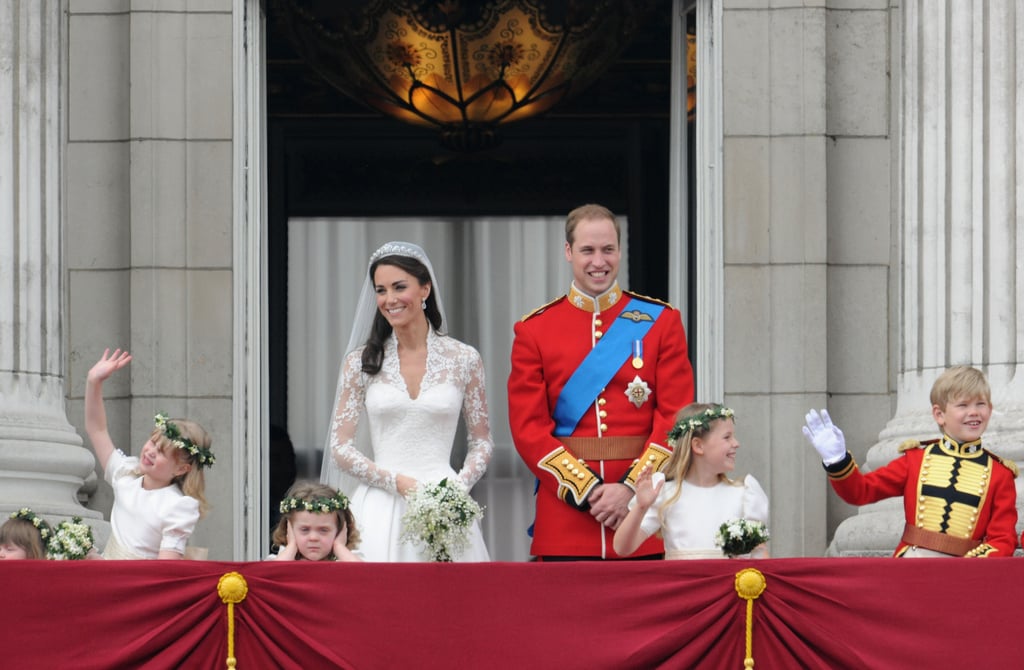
740,536
70,540
438,519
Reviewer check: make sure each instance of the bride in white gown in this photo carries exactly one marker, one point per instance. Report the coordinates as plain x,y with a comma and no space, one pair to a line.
410,381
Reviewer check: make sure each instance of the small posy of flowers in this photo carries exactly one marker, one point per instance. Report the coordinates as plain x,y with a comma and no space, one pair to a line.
740,536
438,519
71,540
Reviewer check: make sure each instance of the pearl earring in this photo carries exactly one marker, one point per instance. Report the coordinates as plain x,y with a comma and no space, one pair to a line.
424,304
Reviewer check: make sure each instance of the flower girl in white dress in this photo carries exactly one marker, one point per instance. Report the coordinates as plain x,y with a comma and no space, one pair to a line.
159,494
411,381
316,525
697,498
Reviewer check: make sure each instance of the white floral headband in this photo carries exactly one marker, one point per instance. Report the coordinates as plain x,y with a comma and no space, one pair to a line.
202,456
25,514
320,505
698,423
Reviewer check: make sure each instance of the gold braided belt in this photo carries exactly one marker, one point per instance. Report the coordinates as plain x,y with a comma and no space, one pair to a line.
929,539
620,448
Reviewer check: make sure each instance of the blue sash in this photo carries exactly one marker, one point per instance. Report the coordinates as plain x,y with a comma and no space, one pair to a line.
601,364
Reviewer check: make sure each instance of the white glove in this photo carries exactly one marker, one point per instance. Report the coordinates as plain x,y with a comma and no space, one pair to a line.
825,437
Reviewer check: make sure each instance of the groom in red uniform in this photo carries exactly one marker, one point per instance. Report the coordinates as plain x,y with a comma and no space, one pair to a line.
597,378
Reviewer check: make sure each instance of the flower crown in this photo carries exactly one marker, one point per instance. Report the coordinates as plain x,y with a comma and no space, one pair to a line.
26,514
316,505
202,455
71,540
698,423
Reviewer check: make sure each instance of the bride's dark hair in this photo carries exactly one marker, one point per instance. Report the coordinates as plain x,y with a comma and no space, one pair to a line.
380,331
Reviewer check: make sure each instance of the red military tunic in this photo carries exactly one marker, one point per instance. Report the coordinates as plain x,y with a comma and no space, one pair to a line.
549,346
949,489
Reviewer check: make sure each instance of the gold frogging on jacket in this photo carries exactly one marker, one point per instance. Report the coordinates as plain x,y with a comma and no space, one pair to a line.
951,491
952,487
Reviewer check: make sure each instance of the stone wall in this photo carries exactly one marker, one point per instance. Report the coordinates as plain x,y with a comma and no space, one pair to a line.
808,243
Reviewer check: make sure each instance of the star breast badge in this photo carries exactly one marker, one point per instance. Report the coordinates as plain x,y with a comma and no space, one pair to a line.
638,392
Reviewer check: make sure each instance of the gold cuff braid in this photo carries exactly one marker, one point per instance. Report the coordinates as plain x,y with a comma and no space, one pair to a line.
656,456
574,478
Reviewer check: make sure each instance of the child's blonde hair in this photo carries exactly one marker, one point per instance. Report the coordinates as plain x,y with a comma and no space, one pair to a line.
192,483
21,532
693,421
310,492
960,382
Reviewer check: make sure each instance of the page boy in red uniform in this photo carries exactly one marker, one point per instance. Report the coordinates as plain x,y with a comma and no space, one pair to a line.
959,498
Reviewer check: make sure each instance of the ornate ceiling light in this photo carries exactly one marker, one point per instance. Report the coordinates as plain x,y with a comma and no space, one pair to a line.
461,67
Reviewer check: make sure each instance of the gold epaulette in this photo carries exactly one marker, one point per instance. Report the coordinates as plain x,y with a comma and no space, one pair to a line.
648,299
541,308
907,445
1010,465
656,456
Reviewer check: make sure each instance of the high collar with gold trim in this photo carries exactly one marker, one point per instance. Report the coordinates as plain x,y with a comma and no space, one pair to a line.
970,449
589,303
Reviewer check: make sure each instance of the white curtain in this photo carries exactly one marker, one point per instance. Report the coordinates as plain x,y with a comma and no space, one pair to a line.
491,271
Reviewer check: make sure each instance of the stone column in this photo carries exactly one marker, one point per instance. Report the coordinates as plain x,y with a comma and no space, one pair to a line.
42,462
963,263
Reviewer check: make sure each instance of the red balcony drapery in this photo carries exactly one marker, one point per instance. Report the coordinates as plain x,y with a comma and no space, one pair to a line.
814,613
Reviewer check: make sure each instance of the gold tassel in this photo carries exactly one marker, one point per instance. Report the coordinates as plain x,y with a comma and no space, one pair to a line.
750,584
232,589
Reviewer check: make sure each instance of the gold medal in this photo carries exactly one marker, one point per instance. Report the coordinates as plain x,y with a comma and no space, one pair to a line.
638,354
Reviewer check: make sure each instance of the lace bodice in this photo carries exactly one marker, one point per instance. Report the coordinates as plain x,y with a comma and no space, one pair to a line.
413,436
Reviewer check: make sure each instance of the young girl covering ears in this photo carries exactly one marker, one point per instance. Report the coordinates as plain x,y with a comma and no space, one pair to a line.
698,497
158,496
316,525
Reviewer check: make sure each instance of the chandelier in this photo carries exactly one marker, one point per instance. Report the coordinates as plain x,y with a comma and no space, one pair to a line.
462,68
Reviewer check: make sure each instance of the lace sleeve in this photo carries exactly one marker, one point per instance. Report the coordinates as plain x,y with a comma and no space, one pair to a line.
478,427
349,404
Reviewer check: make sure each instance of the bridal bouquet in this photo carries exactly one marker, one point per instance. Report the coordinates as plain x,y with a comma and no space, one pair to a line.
70,540
438,519
740,536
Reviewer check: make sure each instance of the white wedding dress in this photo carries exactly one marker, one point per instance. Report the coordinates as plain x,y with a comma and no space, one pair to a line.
409,436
